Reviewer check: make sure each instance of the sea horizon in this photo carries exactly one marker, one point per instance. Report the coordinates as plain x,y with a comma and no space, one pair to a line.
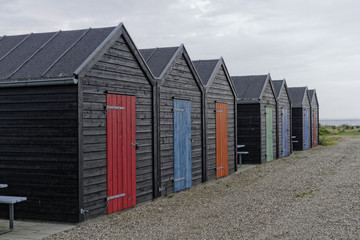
340,121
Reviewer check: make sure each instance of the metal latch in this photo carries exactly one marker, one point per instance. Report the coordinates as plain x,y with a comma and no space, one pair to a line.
219,111
179,179
135,144
178,110
115,107
219,168
161,189
116,196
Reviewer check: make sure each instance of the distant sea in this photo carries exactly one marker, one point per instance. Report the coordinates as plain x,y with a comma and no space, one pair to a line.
339,122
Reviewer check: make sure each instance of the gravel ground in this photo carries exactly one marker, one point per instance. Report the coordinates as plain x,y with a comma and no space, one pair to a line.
312,194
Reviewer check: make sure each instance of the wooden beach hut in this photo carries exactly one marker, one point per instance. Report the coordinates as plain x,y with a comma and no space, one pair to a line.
256,117
314,117
283,118
300,118
220,98
180,102
76,124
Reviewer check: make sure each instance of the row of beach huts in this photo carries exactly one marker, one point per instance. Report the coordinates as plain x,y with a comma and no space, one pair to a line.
91,125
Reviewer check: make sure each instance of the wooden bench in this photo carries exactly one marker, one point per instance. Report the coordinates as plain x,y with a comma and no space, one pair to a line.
11,201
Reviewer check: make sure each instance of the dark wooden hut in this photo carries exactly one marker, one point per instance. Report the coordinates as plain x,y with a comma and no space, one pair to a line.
314,117
256,117
300,118
220,98
283,118
76,123
181,118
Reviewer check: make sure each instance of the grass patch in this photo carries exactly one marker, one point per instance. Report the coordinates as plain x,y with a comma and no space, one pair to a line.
328,141
305,194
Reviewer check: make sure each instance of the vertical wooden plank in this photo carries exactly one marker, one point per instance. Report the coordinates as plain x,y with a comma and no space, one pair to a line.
315,129
121,162
307,129
182,144
221,139
269,136
284,133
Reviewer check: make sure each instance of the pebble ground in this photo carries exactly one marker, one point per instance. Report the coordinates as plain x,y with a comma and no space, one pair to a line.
313,194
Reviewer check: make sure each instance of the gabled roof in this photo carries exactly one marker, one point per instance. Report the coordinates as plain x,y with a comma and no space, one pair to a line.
48,55
297,95
278,85
58,57
205,68
158,58
312,95
251,88
208,69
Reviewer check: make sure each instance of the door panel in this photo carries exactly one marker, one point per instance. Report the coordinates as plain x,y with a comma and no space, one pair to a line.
315,129
222,155
269,135
307,130
121,153
182,144
284,133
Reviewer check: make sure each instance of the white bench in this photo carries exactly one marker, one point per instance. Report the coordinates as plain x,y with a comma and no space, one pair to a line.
11,201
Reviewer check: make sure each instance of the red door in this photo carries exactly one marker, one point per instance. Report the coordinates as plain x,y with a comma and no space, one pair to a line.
315,129
222,168
121,161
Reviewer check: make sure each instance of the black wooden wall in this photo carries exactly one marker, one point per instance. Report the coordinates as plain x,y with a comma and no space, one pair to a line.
219,91
298,128
117,72
38,151
248,131
179,83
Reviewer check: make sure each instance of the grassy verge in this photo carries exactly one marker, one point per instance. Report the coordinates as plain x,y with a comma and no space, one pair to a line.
328,133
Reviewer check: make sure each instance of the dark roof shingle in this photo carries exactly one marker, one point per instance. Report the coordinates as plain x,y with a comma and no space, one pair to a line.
205,68
53,54
249,87
158,58
297,95
277,86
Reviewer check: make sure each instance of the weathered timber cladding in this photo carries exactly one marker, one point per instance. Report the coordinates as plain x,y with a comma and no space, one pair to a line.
248,131
179,83
38,153
267,100
283,102
220,91
117,72
314,109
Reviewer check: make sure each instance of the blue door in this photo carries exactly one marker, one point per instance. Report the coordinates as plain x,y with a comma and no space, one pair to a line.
182,144
307,130
284,133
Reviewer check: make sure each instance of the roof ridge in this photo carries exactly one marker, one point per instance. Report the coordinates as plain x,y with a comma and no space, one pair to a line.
66,51
151,54
16,46
27,60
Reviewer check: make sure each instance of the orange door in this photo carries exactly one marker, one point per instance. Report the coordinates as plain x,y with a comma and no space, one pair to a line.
222,168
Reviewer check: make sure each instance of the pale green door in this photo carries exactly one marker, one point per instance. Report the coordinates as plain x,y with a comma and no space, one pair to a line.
269,136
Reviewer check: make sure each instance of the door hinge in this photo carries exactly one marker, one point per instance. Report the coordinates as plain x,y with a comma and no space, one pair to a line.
178,110
83,211
219,168
219,111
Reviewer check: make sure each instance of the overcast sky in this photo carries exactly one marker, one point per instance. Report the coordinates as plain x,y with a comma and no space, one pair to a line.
309,43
